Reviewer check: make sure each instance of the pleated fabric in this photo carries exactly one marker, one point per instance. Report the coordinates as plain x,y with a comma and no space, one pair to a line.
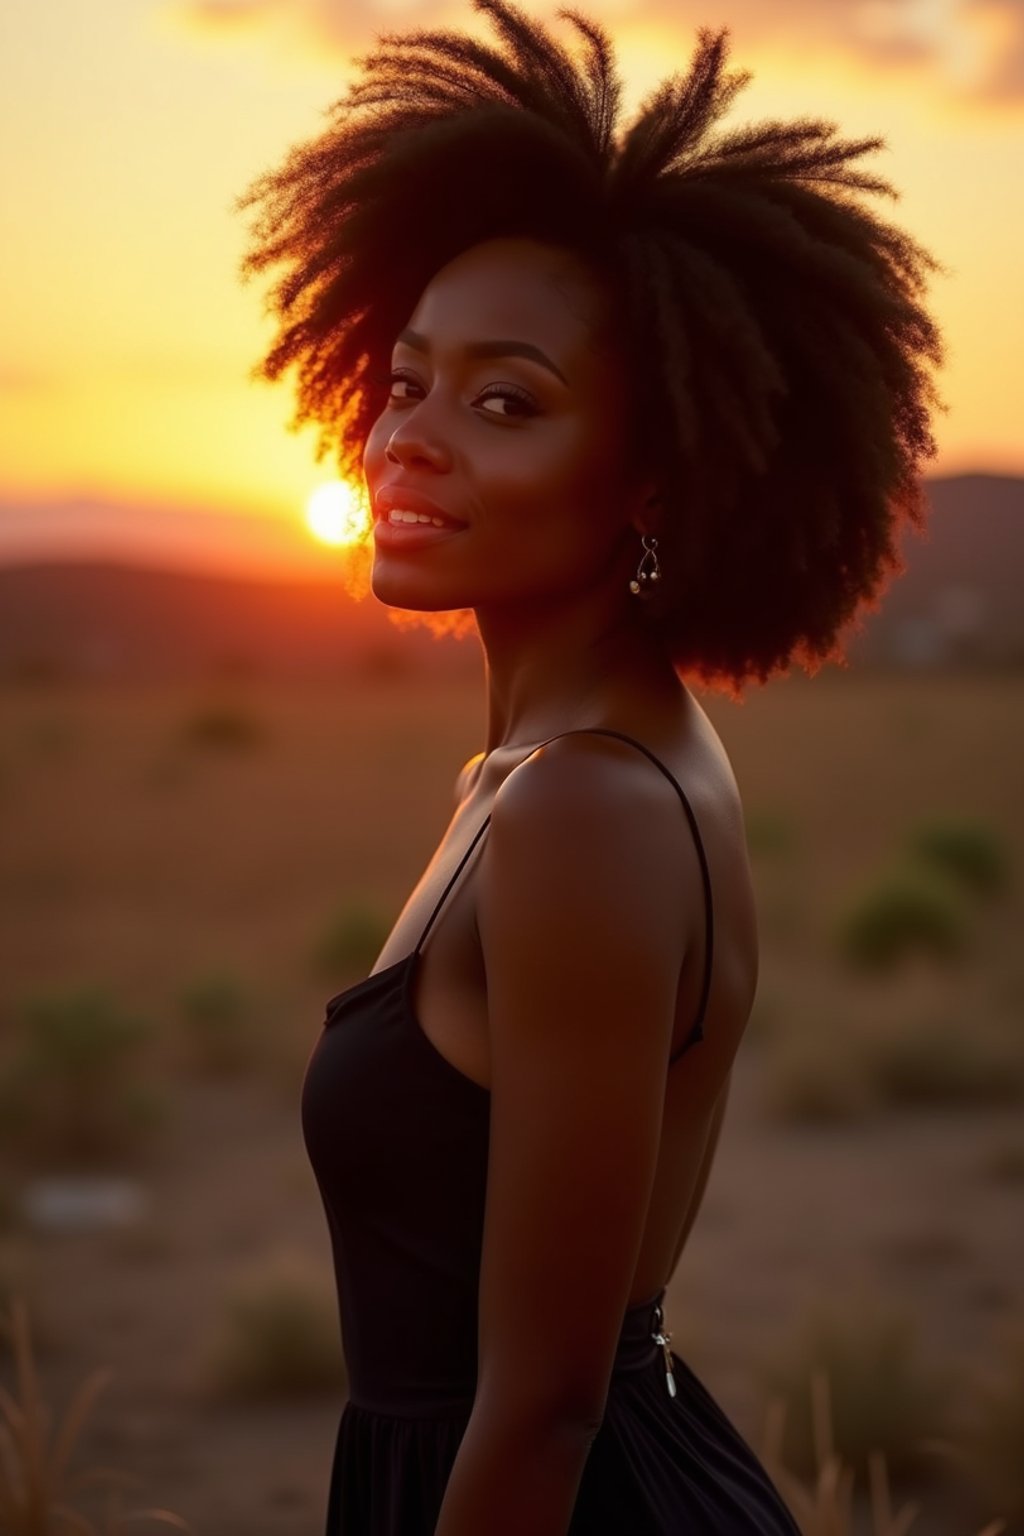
658,1466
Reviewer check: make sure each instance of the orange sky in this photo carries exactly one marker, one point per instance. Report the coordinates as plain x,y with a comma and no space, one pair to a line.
130,126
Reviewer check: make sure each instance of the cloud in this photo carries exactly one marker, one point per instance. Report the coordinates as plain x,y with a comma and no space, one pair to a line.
16,380
222,15
1000,23
971,49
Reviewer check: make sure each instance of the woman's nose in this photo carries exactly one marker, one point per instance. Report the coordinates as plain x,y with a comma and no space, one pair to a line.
412,443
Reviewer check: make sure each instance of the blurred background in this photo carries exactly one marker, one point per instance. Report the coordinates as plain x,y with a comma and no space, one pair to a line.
221,771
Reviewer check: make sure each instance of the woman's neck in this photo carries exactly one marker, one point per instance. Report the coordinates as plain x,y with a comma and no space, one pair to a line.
552,670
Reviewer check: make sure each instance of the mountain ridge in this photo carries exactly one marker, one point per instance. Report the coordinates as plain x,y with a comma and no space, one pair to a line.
958,600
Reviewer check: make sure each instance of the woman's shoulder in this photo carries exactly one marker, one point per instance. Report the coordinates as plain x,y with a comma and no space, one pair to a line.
585,783
467,775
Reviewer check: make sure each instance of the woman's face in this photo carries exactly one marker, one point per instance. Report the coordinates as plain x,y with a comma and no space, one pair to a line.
528,455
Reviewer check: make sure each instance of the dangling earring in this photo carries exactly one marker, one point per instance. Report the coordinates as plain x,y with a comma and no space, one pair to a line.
649,569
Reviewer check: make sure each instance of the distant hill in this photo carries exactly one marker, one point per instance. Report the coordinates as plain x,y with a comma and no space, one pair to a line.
962,595
107,620
960,600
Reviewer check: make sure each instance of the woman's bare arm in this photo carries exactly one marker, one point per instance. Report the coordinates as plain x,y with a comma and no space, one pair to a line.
579,894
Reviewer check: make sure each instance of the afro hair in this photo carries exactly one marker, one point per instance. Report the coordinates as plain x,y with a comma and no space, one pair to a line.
771,326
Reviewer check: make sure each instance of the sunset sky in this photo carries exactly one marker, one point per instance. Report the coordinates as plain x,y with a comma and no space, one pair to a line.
127,416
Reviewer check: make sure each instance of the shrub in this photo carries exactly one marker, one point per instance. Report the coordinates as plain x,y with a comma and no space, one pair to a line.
351,942
969,852
217,1022
69,1091
279,1334
908,910
226,727
942,1061
881,1398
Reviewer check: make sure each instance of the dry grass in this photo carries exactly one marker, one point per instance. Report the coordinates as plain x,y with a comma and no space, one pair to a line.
139,849
38,1490
825,1506
883,1397
991,1442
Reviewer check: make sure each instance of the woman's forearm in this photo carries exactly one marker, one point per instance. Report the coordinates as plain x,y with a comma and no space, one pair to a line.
515,1476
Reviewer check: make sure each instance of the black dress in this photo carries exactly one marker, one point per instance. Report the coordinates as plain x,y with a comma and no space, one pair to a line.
398,1139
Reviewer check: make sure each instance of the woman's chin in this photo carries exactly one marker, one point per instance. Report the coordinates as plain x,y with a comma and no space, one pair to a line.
398,590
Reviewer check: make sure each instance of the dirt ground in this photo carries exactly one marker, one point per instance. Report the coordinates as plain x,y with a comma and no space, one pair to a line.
135,857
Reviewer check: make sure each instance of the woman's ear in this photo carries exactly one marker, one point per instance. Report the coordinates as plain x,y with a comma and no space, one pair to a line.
647,509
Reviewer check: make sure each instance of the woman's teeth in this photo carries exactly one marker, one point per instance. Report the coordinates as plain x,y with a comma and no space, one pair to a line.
399,515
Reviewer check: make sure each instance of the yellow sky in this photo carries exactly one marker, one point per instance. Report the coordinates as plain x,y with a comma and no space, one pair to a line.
129,127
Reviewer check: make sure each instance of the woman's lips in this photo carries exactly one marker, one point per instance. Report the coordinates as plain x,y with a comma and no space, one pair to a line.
411,535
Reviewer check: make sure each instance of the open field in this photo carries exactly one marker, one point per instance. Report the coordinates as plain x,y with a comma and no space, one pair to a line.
151,839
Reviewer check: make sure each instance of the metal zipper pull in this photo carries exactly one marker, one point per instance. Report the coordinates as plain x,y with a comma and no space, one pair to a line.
664,1339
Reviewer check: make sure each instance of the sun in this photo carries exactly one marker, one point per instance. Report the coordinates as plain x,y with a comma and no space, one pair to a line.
336,513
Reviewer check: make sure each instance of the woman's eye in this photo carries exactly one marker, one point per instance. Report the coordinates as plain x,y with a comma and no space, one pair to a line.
395,378
520,398
517,397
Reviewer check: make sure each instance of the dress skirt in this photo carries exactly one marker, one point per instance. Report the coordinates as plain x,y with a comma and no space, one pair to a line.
658,1466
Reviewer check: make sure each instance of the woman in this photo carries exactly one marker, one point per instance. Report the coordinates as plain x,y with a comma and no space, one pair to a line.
649,407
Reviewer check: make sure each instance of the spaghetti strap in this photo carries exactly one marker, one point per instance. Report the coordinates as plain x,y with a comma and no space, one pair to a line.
697,1030
458,871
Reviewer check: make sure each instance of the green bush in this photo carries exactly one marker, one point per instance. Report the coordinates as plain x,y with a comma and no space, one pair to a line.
351,942
943,1061
278,1336
907,911
71,1089
881,1397
969,852
225,727
216,1017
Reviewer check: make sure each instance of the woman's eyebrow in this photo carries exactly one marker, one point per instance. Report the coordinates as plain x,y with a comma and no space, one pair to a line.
420,343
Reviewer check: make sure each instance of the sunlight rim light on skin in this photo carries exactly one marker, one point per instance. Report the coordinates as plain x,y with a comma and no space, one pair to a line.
336,514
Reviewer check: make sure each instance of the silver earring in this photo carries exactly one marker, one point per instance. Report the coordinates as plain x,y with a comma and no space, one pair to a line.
649,570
